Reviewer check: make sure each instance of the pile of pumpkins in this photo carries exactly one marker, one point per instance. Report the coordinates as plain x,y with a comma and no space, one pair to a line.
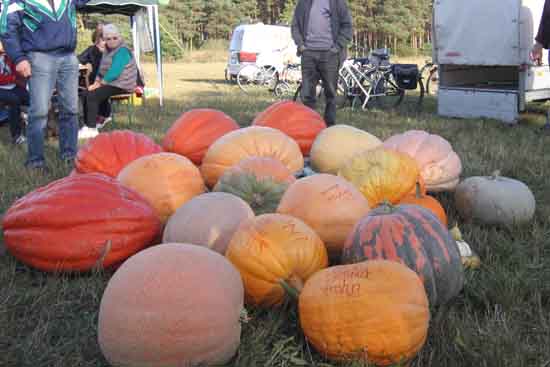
359,244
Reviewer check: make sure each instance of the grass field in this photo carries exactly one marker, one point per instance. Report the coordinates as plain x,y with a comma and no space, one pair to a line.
501,319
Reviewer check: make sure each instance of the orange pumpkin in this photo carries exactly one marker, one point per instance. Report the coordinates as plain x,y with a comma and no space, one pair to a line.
299,122
329,204
272,251
376,311
208,219
428,202
381,175
262,168
195,130
439,165
78,223
166,180
247,142
108,153
171,305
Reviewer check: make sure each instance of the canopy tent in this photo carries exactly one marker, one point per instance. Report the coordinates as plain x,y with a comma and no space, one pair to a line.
141,31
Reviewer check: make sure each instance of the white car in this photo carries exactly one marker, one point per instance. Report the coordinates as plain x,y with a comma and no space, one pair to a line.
260,44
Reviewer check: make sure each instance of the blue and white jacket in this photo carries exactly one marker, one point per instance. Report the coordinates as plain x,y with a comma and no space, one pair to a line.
32,25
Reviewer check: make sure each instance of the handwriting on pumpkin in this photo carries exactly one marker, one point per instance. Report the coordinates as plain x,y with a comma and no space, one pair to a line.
297,235
336,192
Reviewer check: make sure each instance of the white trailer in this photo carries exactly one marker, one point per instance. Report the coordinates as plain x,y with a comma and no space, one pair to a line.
482,51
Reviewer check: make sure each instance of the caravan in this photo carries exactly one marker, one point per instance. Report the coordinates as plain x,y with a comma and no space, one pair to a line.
260,44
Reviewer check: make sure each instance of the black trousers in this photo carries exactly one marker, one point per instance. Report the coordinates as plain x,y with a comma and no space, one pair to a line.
95,99
15,98
324,66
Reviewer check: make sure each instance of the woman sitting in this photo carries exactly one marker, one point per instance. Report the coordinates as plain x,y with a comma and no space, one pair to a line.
117,73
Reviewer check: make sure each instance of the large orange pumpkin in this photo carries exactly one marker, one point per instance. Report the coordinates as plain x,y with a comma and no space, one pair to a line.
329,204
195,130
381,175
78,223
108,153
375,311
439,165
166,180
208,220
299,122
413,236
172,305
248,142
272,251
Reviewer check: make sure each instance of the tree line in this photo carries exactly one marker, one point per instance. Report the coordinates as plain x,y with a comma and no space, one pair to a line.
403,25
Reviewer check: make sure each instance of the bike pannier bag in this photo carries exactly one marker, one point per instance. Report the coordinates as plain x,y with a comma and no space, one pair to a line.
406,75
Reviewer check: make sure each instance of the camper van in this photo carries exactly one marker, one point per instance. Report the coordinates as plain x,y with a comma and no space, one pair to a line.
260,44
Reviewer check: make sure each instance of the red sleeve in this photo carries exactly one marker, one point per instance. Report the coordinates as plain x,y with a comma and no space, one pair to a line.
9,76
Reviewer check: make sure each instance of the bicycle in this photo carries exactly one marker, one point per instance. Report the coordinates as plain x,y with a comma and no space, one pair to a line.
290,75
432,81
371,81
253,78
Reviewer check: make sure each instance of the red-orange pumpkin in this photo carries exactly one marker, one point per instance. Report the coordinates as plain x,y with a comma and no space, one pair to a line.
294,119
411,235
108,153
426,201
195,130
79,222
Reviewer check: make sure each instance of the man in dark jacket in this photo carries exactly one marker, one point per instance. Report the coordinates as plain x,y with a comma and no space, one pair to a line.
542,40
40,38
321,30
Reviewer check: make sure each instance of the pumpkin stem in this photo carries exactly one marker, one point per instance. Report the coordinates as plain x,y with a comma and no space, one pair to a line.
496,174
292,286
418,190
387,206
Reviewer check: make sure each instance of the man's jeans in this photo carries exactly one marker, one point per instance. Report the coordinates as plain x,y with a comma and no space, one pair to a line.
320,65
48,72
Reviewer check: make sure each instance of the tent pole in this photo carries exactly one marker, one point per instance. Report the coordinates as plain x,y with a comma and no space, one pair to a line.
135,40
158,54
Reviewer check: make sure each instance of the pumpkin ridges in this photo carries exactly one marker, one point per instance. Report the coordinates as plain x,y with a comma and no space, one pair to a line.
73,234
423,244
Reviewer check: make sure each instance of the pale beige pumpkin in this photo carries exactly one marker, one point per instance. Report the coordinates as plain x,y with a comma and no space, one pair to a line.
375,311
166,180
439,165
258,141
208,220
171,305
272,249
329,204
335,145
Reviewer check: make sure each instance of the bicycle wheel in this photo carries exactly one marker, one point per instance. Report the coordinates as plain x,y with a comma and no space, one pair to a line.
283,89
254,79
389,94
432,83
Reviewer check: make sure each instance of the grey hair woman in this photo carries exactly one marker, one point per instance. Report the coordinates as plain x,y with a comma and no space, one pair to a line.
117,73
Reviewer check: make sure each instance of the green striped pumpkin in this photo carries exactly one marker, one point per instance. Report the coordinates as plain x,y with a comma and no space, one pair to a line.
413,236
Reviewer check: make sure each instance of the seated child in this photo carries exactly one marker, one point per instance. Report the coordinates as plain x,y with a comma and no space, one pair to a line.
13,95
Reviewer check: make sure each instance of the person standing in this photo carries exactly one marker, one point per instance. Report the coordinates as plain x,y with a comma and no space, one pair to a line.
40,38
321,30
542,40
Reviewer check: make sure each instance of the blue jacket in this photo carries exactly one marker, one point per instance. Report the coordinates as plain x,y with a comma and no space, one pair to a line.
32,25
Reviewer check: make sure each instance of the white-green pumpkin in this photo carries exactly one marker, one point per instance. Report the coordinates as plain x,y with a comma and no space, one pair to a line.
494,200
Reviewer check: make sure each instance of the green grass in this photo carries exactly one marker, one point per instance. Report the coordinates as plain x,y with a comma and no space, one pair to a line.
502,318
